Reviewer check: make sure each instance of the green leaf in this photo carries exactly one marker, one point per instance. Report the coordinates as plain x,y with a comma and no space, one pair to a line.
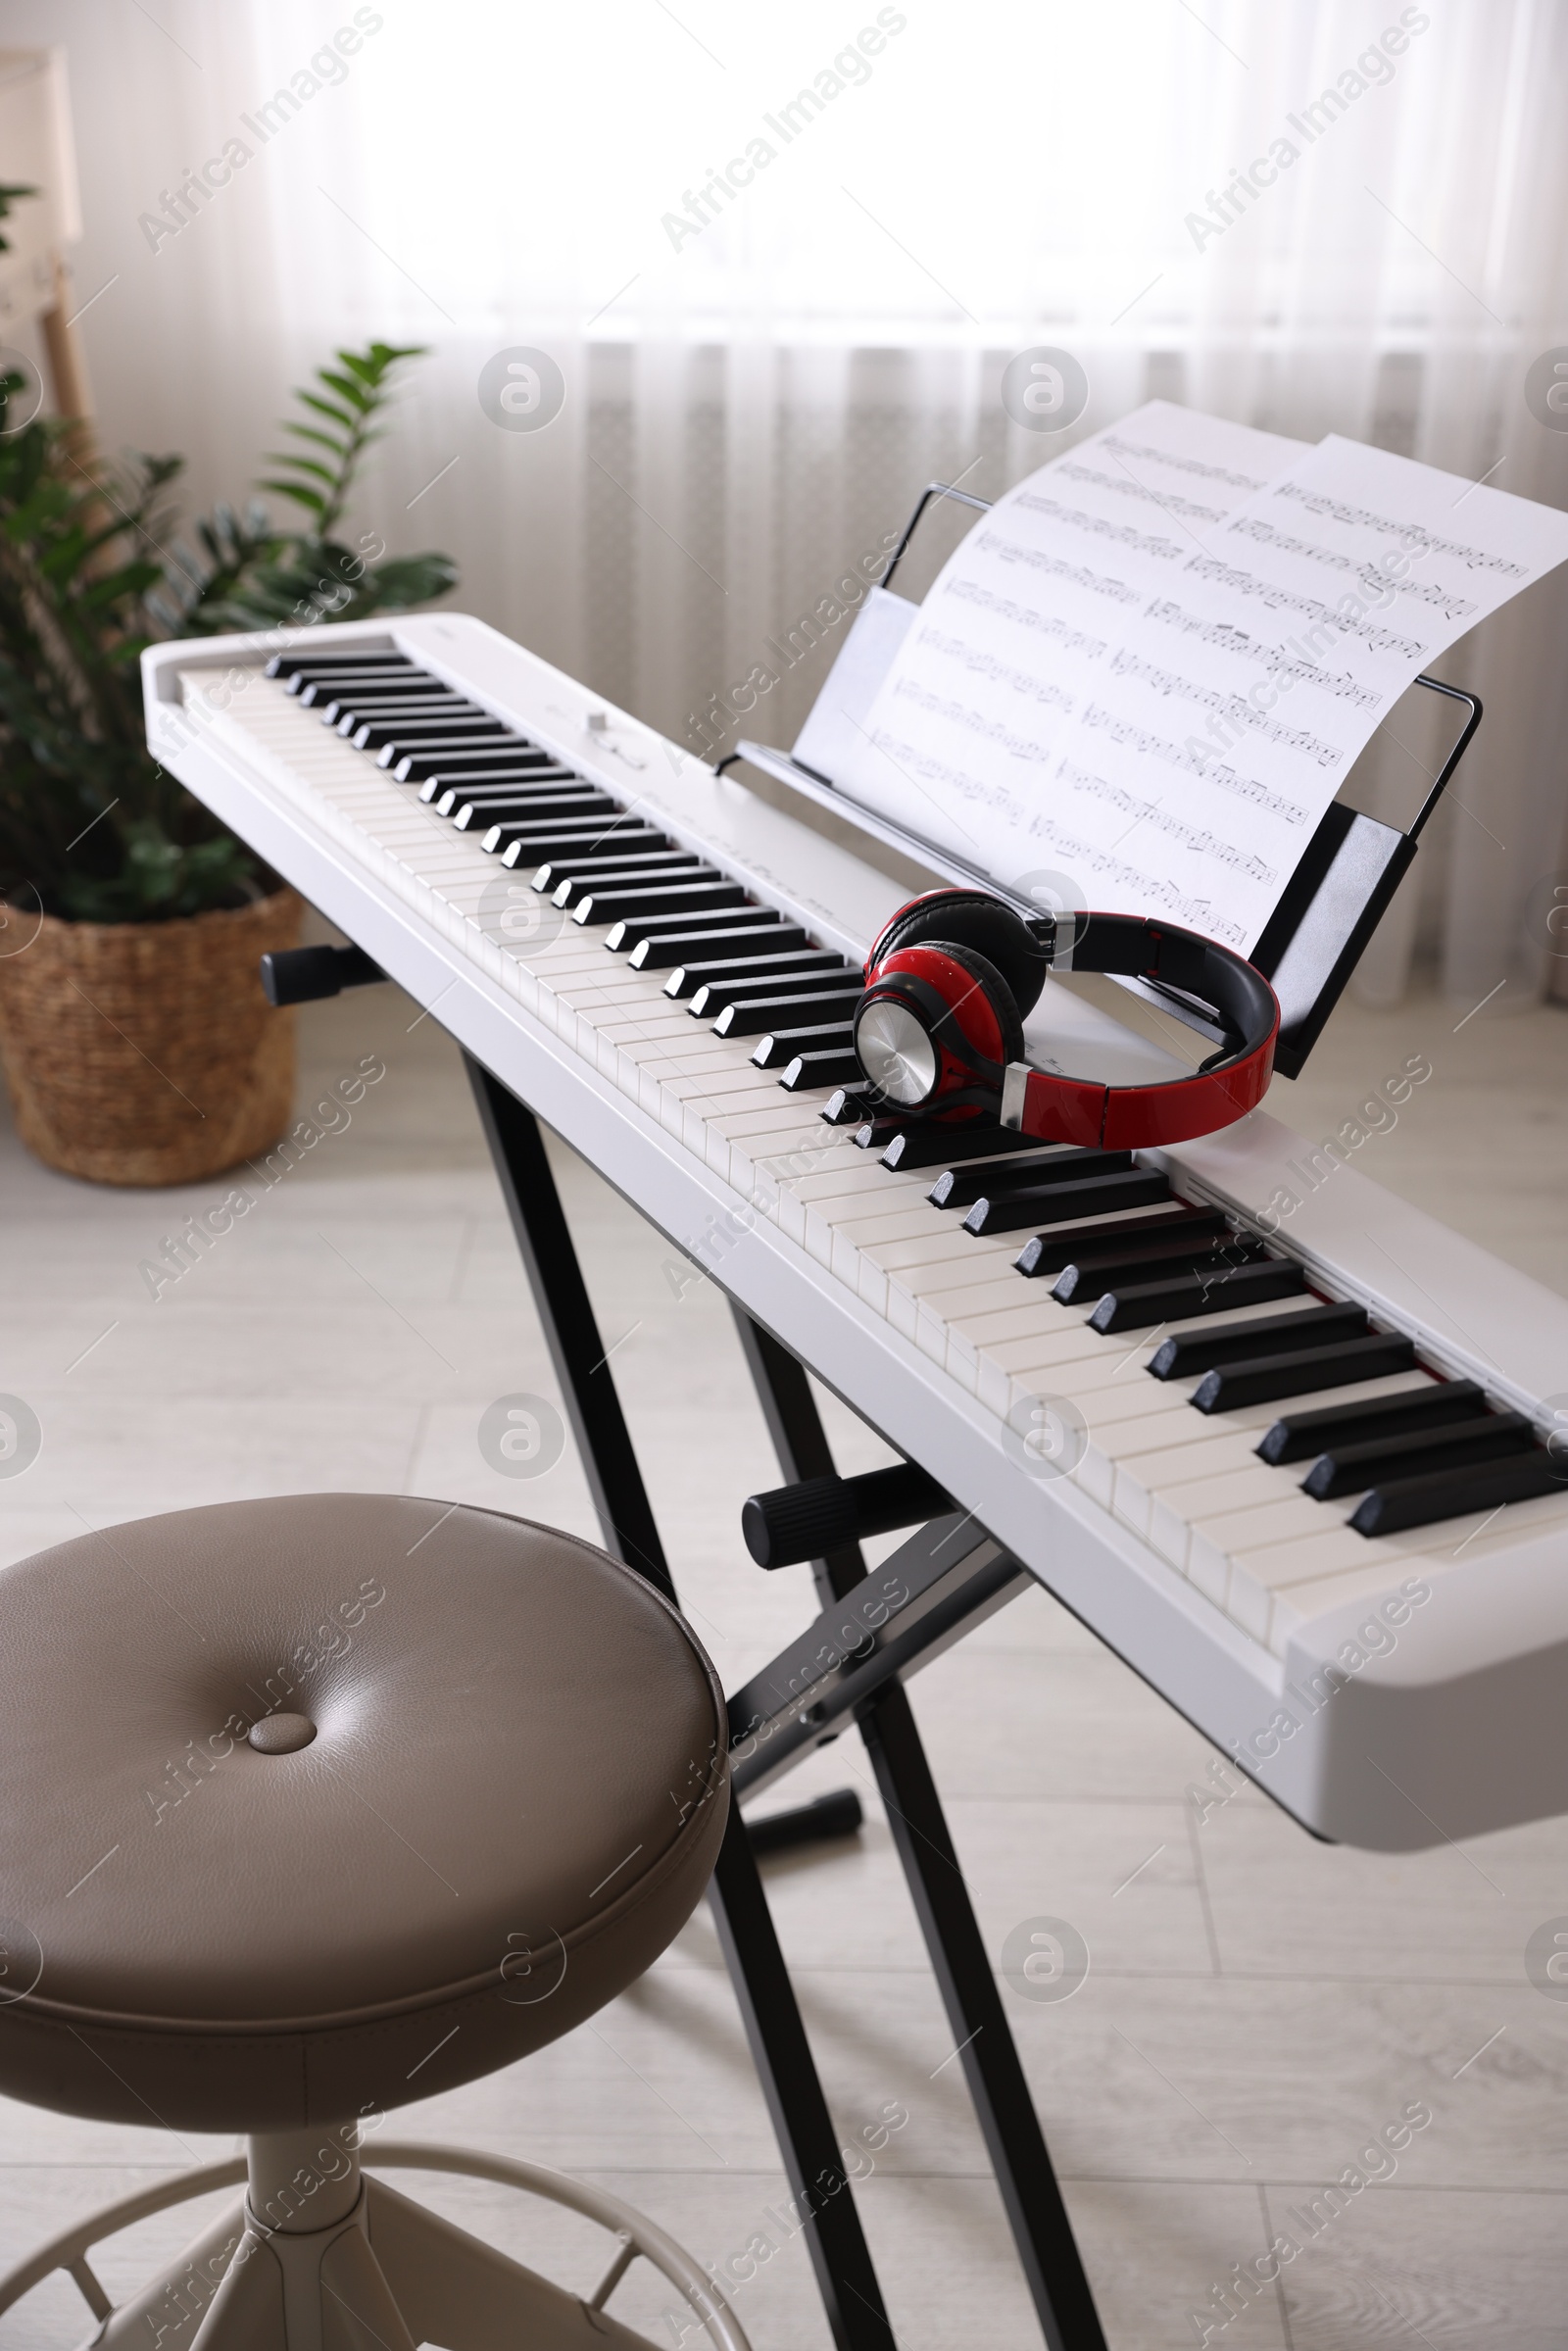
304,464
351,391
324,408
323,440
311,500
407,579
374,365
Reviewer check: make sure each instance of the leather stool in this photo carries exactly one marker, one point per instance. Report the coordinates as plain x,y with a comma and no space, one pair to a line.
311,1807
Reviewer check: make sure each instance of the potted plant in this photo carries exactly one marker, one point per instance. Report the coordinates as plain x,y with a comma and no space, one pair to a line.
136,1043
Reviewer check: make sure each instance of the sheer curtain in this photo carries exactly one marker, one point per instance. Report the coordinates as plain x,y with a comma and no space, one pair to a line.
781,260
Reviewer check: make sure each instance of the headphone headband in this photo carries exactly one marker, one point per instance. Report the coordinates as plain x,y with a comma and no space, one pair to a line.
1226,1085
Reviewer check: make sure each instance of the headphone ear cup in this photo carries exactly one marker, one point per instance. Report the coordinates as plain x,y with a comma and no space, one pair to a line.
998,993
980,924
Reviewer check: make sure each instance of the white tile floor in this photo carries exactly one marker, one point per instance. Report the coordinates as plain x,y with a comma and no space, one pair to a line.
1256,2005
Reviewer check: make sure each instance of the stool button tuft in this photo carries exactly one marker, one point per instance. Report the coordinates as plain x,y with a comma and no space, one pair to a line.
282,1733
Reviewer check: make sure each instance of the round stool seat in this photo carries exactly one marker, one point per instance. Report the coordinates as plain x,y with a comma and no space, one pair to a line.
317,1805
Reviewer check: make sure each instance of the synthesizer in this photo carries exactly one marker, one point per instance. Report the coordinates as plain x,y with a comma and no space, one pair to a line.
1289,1446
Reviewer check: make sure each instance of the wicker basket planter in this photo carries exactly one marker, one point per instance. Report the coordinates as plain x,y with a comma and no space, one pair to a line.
145,1052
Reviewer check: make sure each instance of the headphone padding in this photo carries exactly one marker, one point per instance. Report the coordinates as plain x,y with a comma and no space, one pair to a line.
1003,1004
975,920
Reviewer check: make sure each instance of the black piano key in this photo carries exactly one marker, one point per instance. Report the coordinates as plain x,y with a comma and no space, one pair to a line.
690,979
332,697
524,768
520,842
350,724
539,842
530,816
756,1016
411,683
350,657
547,841
1354,1468
807,1071
1190,1351
659,941
525,798
1058,1203
1263,1379
388,739
961,1187
552,823
784,1046
529,838
569,797
518,792
384,696
657,898
1050,1253
875,1135
1401,1502
392,739
1199,1289
573,879
603,826
467,761
844,1108
805,974
311,686
1094,1272
378,666
425,725
346,714
589,852
1301,1435
929,1143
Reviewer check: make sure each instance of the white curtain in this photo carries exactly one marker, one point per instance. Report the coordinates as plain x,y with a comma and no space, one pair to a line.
760,373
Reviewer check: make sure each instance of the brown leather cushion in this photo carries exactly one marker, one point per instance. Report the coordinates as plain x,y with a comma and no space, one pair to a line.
512,1800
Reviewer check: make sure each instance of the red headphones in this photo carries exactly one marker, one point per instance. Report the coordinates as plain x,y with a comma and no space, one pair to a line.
938,1031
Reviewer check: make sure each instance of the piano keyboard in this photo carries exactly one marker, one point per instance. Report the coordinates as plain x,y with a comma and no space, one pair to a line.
1226,1448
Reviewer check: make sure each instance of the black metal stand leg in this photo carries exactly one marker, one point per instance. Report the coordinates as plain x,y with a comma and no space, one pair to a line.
771,2016
587,1384
845,2276
1009,2123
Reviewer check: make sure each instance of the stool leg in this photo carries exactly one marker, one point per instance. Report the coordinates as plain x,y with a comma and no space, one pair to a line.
357,2309
246,2314
166,2311
454,2290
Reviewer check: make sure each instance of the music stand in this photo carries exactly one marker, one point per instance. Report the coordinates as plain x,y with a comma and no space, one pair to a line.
1326,913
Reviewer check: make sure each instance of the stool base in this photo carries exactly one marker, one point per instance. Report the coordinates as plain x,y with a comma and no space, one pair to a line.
388,2276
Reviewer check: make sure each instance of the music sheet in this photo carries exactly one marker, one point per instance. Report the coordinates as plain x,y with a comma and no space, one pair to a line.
1141,680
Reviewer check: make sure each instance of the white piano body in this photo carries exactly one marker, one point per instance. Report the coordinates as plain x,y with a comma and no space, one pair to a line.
1230,1593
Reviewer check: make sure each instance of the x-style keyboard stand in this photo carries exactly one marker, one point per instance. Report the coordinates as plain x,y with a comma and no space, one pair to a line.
955,1575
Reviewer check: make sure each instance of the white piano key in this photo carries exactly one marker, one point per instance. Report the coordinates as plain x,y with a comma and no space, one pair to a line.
870,1223
854,1181
941,1246
1323,1551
